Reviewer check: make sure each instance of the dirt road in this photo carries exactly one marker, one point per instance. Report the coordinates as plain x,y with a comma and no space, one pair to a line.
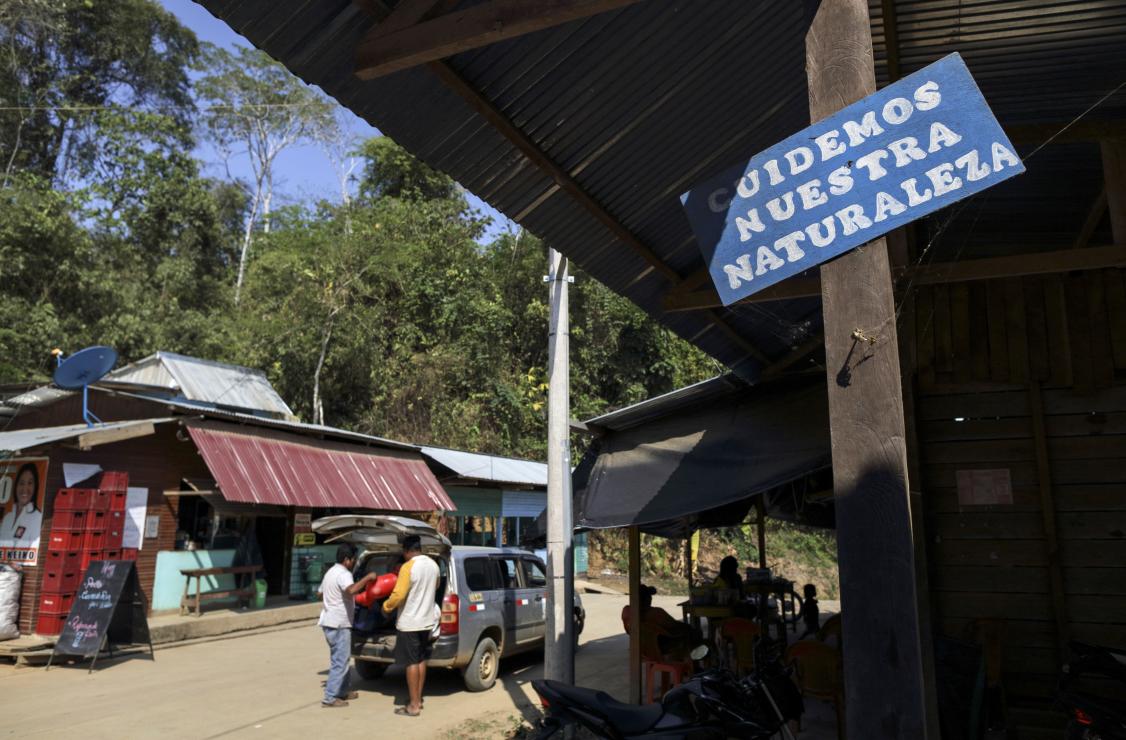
268,686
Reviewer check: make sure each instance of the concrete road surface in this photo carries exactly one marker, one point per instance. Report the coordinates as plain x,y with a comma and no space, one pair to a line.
268,685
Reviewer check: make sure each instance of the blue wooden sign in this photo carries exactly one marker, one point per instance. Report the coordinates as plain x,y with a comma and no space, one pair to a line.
914,147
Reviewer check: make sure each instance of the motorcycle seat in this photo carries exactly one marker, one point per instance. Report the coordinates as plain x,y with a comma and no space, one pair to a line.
629,719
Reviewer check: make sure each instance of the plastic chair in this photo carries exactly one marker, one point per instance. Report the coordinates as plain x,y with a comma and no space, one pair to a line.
830,632
819,673
741,634
674,672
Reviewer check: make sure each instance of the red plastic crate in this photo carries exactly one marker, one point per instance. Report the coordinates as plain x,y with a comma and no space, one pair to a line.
89,556
56,603
113,538
68,519
114,481
117,501
61,581
100,500
94,540
96,521
73,499
50,624
65,539
128,553
111,554
62,561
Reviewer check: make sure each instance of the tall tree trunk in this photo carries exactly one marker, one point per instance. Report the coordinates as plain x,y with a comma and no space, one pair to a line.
246,237
318,402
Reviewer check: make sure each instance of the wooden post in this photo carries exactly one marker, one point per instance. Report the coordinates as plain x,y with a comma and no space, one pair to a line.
1048,516
1114,173
760,510
635,615
882,653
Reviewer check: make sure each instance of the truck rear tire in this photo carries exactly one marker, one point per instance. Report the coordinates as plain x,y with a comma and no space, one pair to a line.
369,670
481,673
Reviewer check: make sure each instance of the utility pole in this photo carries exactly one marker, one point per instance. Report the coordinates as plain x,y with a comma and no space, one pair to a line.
559,647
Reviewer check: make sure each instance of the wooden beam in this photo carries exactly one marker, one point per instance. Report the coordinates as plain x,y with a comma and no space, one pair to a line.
1048,516
1094,215
883,670
381,53
634,535
1114,174
96,436
1018,265
405,14
891,39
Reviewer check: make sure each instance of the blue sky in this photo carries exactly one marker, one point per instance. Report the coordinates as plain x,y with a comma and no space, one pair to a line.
302,173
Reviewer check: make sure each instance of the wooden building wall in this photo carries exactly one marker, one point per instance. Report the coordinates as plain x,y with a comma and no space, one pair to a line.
156,462
1035,368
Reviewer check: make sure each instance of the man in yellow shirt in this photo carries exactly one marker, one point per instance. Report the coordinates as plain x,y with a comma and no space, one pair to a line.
415,596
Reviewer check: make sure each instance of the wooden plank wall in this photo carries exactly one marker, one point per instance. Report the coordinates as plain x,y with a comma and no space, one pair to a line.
980,346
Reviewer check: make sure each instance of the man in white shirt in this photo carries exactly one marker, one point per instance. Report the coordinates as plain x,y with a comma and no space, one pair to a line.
415,596
338,591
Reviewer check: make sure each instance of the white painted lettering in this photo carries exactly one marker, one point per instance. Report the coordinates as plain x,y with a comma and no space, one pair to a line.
771,168
885,205
943,180
852,219
774,205
913,196
739,272
811,195
941,136
898,110
906,151
871,162
972,164
719,200
828,145
840,181
927,96
749,226
789,243
800,159
767,260
748,184
1002,156
858,132
814,232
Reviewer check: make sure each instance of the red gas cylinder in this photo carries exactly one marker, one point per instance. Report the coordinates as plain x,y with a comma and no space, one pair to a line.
380,588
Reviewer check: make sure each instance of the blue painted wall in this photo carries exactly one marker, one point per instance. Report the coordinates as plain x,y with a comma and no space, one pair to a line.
168,586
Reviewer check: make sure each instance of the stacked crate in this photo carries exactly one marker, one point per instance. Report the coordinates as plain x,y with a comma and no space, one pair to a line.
87,526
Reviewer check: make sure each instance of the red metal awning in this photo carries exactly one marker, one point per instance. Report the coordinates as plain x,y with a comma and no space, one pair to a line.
264,466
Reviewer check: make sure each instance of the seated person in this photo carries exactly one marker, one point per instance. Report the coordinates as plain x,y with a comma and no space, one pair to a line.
663,637
729,575
809,614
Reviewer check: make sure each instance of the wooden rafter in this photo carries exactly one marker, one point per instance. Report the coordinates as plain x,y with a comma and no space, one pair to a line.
1042,263
503,125
891,39
414,40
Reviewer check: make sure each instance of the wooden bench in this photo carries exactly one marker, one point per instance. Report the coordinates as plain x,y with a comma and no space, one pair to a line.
244,594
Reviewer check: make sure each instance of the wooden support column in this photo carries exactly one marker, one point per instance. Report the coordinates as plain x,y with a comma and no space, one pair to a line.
882,654
634,615
760,509
1048,516
1114,173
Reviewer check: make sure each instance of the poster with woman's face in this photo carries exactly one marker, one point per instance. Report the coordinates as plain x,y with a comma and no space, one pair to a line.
23,485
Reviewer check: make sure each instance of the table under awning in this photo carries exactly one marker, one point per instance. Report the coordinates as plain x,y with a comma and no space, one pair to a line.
698,457
267,466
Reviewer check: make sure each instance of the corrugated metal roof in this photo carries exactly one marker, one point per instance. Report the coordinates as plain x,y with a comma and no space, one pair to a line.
640,103
690,396
490,467
205,411
25,439
196,379
263,466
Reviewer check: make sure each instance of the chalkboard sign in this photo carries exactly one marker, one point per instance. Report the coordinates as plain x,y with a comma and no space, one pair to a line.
109,609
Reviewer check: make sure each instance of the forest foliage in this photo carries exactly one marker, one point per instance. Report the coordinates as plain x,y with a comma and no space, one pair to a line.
380,309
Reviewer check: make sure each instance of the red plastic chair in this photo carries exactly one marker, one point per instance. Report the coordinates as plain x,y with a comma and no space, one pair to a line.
741,635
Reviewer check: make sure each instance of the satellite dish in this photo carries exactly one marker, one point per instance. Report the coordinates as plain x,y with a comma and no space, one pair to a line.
83,368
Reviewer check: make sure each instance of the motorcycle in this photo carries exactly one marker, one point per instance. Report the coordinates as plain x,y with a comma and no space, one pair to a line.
1091,716
711,704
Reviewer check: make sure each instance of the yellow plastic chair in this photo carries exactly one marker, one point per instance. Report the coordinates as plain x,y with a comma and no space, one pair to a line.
741,635
819,674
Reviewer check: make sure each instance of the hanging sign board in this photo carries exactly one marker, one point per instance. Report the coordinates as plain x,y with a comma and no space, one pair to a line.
108,609
913,148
